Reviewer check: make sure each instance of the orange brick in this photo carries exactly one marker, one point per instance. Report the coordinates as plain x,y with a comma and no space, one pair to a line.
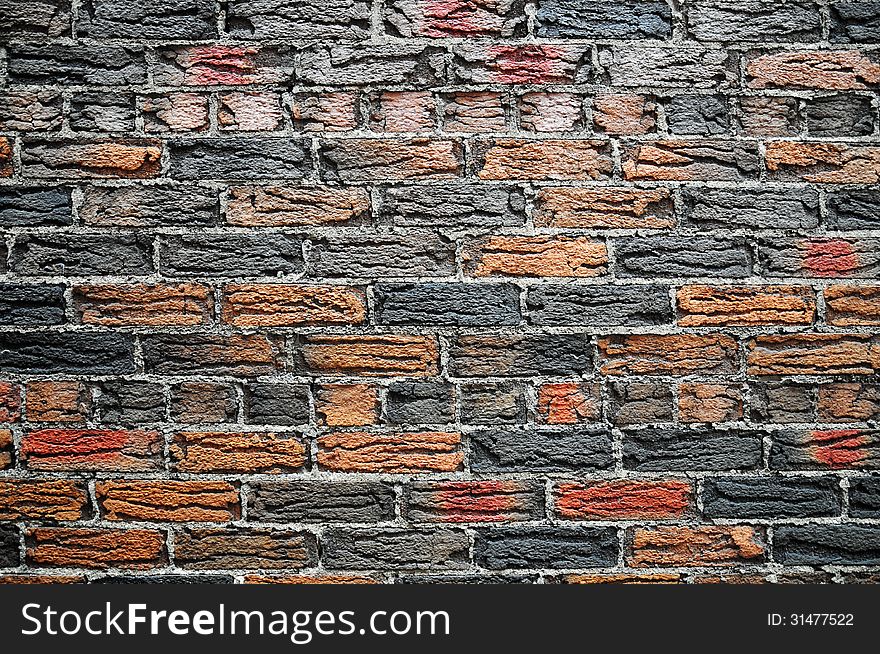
39,499
696,546
168,501
92,450
347,405
852,305
569,403
283,305
10,402
676,354
136,158
144,304
6,448
284,206
56,401
543,160
743,306
623,499
369,355
95,548
829,69
624,114
813,354
236,452
535,256
390,452
823,163
604,207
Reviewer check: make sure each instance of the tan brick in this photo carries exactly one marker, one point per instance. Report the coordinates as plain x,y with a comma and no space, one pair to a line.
284,206
823,163
176,112
696,546
813,354
709,403
693,160
553,159
236,452
551,112
249,111
400,452
473,112
829,69
849,402
369,355
56,401
742,306
325,112
282,305
347,405
403,111
535,256
604,207
624,114
674,354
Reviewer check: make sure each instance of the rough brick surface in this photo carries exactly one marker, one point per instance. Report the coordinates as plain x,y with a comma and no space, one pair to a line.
426,291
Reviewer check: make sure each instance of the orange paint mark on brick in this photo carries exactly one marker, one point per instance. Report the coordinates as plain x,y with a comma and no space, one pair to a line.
470,501
843,448
567,404
527,64
217,64
830,257
623,499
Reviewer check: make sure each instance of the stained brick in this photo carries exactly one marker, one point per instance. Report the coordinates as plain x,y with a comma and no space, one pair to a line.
696,546
236,452
276,305
128,157
606,207
520,355
200,402
92,450
474,501
207,548
825,449
197,354
623,500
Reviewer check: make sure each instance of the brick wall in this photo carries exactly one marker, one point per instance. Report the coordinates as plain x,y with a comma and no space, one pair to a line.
423,290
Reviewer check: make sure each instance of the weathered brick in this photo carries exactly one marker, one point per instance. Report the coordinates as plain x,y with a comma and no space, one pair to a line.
823,163
175,112
10,404
454,18
567,403
201,354
95,353
624,114
680,67
33,19
394,63
34,207
473,112
447,304
147,206
9,546
232,157
403,111
312,19
852,305
696,546
693,160
840,115
115,305
276,404
783,402
848,402
819,257
7,448
81,254
346,405
623,499
754,20
540,450
167,501
826,449
605,207
104,65
817,69
396,452
564,304
674,354
92,450
544,256
864,497
395,549
674,450
56,499
854,22
325,112
419,403
452,205
606,19
129,402
57,401
484,63
101,112
368,355
214,64
771,497
414,254
30,304
30,111
128,157
492,404
200,402
853,208
546,547
320,501
283,206
236,452
504,158
374,159
713,208
94,547
709,403
249,111
207,548
813,354
737,306
769,116
157,19
521,355
633,403
841,544
230,255
474,501
276,305
702,115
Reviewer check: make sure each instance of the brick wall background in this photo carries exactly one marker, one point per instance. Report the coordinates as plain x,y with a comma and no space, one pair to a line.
423,290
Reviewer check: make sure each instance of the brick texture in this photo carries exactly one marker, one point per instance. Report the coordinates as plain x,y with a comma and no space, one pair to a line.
423,291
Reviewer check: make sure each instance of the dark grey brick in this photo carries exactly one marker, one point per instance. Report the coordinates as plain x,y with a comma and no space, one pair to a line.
419,403
304,19
102,112
320,501
276,404
395,549
771,497
9,546
203,402
546,547
129,402
713,208
682,67
783,402
76,64
34,19
453,205
840,115
541,450
520,355
676,256
414,254
93,353
502,403
567,304
153,19
22,304
397,63
854,22
703,115
754,20
671,450
35,207
633,403
857,208
147,206
230,255
447,304
604,19
864,497
82,254
843,544
239,158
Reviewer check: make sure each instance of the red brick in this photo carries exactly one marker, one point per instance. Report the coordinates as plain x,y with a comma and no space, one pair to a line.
39,499
57,401
569,403
369,355
347,405
474,501
400,452
95,548
168,501
696,546
743,306
553,159
92,450
623,499
535,256
281,305
674,354
604,207
236,452
119,305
